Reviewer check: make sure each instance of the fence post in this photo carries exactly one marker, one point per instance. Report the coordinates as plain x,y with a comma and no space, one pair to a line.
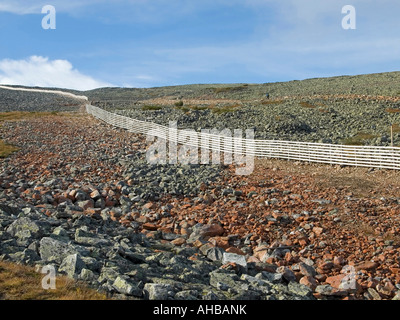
377,157
391,135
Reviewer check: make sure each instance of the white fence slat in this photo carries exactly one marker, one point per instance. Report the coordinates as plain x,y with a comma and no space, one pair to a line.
363,156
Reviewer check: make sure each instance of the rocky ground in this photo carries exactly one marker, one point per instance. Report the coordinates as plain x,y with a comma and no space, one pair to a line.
331,119
79,195
35,102
356,110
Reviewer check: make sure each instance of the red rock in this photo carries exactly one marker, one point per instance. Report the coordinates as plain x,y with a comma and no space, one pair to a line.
335,281
149,205
235,250
298,275
367,266
309,282
95,195
384,291
178,241
211,230
114,216
372,283
72,194
220,242
61,199
142,219
327,265
303,242
166,229
339,261
92,211
288,258
318,231
36,196
198,243
184,231
270,260
110,203
125,222
260,251
87,204
253,259
150,226
320,277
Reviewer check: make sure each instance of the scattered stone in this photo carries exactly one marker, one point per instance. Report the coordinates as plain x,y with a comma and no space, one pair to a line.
127,287
234,258
158,291
72,265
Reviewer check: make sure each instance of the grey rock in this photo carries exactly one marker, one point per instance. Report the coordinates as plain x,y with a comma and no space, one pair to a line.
92,263
300,290
307,270
287,274
52,250
234,258
219,278
8,210
24,229
322,201
87,275
72,265
327,290
215,254
89,239
108,274
272,277
127,287
27,256
60,233
62,214
158,291
186,295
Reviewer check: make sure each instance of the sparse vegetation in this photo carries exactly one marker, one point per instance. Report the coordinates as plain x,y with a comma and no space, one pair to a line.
393,110
151,108
272,102
191,107
359,139
229,89
6,149
306,104
396,127
225,109
20,115
19,282
178,103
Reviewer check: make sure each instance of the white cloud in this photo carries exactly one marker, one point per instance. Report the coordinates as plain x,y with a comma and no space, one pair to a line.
42,72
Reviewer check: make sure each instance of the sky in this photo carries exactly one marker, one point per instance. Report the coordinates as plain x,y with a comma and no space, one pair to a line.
150,43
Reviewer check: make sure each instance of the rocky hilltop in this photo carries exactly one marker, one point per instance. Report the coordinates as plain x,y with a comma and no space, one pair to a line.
79,195
356,110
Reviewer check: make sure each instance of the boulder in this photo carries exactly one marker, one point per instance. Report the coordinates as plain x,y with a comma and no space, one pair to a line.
72,265
52,250
159,291
127,287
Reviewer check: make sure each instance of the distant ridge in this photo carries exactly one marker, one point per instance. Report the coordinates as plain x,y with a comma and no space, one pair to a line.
68,94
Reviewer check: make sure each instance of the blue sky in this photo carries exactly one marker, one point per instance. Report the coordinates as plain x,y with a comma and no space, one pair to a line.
147,43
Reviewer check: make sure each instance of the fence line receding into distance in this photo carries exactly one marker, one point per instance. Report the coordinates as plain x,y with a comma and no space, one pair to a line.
363,156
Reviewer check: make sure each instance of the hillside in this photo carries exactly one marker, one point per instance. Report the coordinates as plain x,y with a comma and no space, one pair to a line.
81,195
356,110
